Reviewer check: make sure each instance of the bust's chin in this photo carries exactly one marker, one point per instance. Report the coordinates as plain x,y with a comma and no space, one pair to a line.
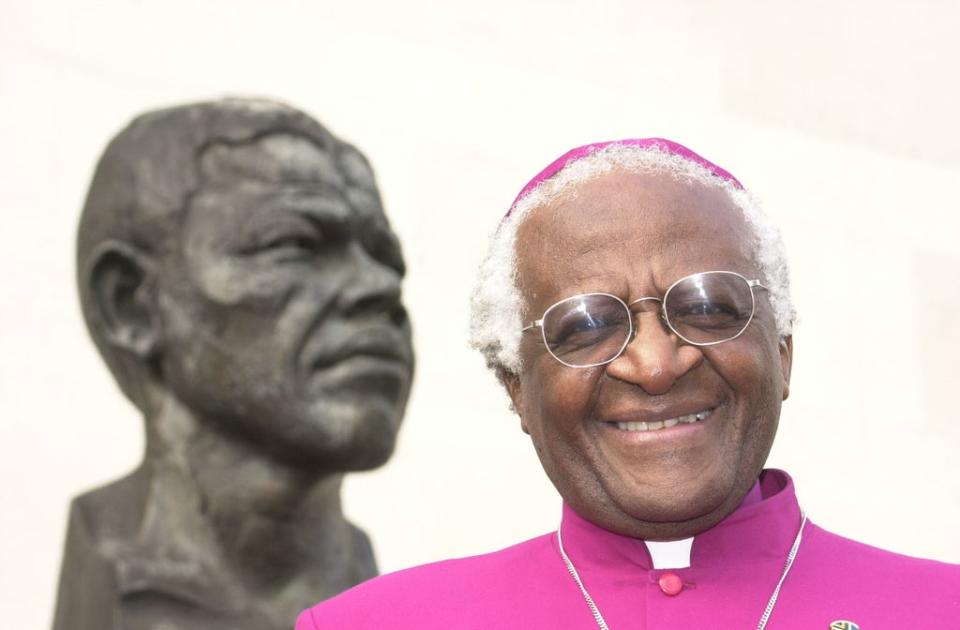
345,438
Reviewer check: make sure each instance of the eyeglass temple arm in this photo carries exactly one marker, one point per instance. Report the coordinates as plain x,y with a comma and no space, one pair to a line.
756,283
536,324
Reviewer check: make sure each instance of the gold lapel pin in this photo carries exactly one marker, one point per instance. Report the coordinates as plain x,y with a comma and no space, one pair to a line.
843,624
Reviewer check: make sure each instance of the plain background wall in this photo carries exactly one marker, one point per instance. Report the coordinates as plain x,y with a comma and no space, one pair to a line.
840,116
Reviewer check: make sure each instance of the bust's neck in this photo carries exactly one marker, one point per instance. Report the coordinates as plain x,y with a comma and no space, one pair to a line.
266,526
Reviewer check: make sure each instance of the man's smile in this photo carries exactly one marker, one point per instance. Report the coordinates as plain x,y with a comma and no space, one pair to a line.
656,425
688,430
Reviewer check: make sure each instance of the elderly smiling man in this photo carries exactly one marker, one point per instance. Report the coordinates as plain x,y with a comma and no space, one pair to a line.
635,304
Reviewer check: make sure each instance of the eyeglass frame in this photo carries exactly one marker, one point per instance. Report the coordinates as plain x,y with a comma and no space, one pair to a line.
538,323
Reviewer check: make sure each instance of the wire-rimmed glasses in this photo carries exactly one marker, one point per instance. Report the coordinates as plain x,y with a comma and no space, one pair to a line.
702,309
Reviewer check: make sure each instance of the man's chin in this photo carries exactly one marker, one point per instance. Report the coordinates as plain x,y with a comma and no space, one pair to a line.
674,506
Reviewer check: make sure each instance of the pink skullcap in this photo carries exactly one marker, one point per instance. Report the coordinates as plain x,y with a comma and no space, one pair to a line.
663,144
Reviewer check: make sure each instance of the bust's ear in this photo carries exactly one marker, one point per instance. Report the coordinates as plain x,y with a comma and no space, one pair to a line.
120,281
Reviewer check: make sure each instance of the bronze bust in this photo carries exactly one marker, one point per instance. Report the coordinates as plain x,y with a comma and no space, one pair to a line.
239,277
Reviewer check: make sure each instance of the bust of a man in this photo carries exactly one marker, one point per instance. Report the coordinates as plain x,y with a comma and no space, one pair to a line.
241,281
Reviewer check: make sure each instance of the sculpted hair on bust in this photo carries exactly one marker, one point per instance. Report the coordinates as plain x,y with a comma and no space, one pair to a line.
496,306
143,183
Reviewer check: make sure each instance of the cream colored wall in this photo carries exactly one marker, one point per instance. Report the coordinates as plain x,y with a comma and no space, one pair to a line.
840,119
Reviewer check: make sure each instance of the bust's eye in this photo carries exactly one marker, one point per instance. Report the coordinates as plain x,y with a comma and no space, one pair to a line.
282,245
307,243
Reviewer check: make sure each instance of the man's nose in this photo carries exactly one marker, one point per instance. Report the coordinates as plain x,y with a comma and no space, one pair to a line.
370,287
655,358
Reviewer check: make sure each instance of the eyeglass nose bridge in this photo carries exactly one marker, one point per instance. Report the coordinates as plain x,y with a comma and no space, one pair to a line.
649,298
635,323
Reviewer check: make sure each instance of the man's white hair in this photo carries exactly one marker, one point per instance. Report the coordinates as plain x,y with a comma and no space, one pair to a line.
496,304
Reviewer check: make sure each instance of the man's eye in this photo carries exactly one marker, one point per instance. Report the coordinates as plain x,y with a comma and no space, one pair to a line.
701,308
707,314
582,330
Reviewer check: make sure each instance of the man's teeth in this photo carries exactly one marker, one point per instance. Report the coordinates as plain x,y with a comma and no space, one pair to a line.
662,424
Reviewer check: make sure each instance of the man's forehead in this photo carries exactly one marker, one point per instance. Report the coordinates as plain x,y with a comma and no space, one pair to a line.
283,158
650,222
646,205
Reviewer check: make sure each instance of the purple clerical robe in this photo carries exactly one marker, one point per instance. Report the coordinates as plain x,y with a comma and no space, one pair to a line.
733,570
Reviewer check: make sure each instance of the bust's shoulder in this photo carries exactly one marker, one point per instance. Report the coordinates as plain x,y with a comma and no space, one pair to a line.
110,512
433,590
101,521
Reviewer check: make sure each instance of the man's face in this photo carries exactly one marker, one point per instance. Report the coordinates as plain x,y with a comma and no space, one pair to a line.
281,307
633,236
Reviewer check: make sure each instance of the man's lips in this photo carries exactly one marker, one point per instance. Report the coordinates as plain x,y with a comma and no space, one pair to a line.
666,423
638,420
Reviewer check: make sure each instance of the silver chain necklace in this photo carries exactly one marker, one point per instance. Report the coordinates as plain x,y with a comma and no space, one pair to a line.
763,618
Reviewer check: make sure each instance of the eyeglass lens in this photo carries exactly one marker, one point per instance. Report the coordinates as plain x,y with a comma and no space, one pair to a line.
703,309
587,329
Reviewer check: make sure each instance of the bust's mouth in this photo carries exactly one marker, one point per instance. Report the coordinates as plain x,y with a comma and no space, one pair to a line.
381,345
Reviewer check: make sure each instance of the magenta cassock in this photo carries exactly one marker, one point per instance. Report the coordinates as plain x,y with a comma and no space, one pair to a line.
733,570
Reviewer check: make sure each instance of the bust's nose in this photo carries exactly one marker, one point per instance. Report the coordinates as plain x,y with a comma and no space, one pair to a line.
371,287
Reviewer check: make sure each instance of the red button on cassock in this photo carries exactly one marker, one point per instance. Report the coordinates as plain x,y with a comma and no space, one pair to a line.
671,584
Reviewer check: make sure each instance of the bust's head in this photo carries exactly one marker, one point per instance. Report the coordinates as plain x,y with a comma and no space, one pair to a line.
234,256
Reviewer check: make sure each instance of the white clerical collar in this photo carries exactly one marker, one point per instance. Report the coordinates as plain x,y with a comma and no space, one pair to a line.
675,554
672,554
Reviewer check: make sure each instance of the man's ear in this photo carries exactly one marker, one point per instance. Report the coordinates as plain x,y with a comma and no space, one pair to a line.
786,362
121,287
511,382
